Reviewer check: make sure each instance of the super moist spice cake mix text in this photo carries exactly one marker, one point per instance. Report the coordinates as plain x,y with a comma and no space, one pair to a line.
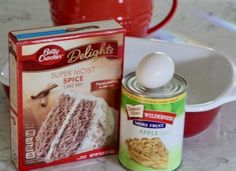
64,89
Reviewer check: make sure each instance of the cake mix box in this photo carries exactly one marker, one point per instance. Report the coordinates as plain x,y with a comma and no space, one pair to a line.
65,92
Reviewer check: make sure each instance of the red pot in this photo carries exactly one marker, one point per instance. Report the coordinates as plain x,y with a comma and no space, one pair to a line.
196,122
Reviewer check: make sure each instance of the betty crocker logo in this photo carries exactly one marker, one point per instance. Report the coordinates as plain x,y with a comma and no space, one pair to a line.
53,56
49,55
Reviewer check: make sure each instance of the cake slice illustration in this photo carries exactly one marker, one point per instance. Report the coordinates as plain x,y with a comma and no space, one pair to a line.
75,124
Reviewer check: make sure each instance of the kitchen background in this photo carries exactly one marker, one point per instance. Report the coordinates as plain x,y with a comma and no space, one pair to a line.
209,23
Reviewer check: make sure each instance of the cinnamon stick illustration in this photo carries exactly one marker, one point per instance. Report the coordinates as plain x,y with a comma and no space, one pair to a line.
44,100
43,94
44,91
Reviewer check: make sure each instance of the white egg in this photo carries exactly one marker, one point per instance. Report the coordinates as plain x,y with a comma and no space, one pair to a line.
155,70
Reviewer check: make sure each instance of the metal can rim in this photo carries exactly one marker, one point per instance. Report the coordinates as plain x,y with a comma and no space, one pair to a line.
151,93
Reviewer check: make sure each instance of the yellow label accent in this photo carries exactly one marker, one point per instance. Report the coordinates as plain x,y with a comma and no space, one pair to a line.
146,100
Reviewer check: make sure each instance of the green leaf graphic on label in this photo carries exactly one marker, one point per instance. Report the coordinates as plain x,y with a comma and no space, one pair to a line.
125,100
159,107
179,107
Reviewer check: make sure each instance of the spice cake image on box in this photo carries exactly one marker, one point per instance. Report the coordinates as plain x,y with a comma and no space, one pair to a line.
76,123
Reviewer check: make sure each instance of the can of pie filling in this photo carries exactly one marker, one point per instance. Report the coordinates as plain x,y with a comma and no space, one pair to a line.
152,125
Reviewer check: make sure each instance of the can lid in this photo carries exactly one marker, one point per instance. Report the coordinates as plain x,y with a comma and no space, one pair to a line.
174,87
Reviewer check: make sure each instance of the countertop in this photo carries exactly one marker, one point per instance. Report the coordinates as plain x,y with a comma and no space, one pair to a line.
209,23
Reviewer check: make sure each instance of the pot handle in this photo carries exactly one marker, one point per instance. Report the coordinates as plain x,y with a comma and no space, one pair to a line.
166,19
231,93
229,96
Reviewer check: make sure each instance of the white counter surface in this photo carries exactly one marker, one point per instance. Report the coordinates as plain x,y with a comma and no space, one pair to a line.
210,23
